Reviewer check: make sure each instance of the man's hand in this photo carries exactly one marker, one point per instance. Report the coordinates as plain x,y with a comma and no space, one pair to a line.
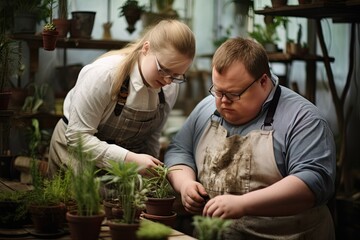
224,206
193,196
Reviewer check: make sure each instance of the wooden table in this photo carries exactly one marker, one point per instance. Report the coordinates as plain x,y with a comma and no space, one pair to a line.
28,233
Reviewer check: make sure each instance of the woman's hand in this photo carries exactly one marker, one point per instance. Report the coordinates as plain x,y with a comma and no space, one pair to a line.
145,161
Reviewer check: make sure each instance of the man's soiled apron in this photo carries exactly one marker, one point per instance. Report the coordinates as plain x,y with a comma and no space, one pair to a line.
241,164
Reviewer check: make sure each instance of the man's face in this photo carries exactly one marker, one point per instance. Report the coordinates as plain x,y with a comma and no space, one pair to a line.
247,94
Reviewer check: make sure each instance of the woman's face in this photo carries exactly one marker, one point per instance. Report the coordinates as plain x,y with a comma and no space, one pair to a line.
162,68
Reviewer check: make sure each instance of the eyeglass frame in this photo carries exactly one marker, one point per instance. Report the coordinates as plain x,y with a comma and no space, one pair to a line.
165,74
233,96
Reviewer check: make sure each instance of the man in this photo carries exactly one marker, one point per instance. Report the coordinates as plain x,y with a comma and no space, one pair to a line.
260,153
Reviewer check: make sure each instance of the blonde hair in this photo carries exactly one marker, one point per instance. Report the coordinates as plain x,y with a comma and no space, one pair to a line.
167,34
246,51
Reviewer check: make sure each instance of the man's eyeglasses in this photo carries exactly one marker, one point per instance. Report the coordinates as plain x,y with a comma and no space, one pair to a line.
230,96
177,78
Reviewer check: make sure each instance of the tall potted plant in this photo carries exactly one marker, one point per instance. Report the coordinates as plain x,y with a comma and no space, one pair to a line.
85,222
132,195
62,23
45,200
50,33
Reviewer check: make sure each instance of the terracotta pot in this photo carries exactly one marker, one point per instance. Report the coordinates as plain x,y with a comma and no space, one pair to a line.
84,227
49,40
160,206
166,220
112,209
63,27
123,231
47,219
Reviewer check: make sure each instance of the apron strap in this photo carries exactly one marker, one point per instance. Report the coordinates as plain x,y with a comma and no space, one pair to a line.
272,108
124,93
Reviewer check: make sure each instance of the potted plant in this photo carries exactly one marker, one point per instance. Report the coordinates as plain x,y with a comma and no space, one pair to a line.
62,23
266,34
45,199
85,222
131,192
13,209
34,102
160,197
150,230
210,228
132,11
27,13
49,32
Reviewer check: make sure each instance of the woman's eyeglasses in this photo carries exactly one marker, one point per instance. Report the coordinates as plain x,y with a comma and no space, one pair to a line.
177,78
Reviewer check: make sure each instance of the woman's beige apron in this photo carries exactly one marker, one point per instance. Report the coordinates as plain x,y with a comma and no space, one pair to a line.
241,164
126,127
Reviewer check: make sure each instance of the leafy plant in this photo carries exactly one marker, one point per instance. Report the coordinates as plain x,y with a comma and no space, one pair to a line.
152,230
13,208
45,191
9,60
37,7
129,187
50,26
34,102
85,183
130,4
268,33
210,228
157,183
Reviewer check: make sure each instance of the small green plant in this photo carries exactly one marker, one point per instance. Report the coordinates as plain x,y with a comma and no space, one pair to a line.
150,230
50,26
129,187
158,184
210,228
85,183
34,102
268,33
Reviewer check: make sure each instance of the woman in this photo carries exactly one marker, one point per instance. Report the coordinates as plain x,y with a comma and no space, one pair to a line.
121,101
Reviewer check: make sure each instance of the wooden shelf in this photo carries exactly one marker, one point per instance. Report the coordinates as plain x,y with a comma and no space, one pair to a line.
35,41
347,11
288,58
